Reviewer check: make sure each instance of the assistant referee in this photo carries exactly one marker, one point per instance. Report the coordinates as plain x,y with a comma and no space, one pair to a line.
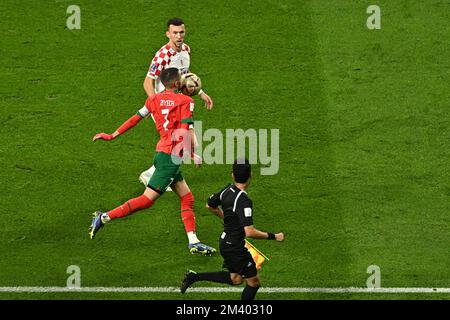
237,214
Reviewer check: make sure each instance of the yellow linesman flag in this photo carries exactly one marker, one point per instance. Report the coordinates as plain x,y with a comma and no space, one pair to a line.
257,255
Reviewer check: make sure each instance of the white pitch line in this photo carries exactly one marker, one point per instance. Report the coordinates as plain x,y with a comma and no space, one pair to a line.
221,290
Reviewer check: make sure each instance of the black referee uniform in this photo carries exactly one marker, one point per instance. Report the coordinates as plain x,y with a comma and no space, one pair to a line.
237,209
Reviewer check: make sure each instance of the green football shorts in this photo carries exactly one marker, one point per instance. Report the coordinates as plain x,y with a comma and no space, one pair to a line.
166,172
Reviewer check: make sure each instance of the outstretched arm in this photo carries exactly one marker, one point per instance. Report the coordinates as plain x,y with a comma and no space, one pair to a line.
130,123
252,232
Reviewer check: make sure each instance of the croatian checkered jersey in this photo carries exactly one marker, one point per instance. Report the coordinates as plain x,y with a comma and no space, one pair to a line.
167,57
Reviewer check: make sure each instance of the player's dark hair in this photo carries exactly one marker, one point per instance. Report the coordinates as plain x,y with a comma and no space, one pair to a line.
169,76
241,170
174,22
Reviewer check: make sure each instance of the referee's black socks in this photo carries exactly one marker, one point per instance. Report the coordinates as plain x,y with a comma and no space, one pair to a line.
249,293
220,277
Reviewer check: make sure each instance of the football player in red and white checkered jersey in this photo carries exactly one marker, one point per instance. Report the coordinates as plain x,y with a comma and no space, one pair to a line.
174,54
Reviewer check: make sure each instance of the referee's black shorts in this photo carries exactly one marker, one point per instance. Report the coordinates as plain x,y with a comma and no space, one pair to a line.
238,260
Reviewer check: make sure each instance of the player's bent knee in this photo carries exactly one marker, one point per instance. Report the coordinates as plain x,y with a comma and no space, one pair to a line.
180,188
151,194
236,279
254,282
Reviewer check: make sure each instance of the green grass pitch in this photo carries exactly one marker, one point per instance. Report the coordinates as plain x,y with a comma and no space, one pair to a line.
364,143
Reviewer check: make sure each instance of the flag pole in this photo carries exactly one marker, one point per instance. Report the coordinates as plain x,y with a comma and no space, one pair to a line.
251,244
